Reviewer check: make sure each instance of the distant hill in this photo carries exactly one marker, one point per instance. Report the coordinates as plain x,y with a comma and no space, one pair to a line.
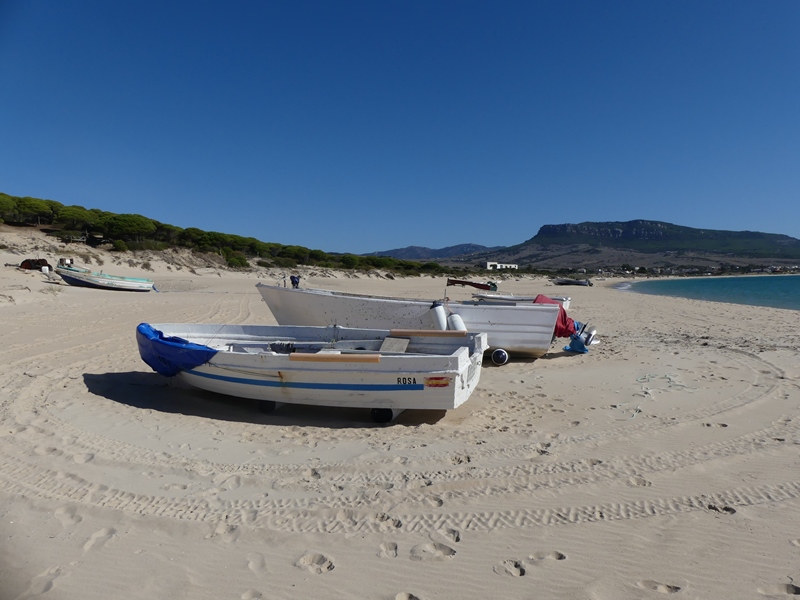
421,253
655,236
640,243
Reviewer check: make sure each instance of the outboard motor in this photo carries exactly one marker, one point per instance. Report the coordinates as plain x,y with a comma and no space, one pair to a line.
580,342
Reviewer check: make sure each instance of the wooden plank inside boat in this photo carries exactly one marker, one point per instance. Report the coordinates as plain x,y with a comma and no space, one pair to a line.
334,358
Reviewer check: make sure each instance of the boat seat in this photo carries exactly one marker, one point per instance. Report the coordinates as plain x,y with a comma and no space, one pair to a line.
393,344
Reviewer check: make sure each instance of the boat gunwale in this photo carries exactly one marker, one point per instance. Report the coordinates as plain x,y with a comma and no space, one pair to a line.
422,301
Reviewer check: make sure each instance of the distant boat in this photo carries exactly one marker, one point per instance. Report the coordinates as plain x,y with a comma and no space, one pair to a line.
569,281
82,277
489,285
524,329
385,371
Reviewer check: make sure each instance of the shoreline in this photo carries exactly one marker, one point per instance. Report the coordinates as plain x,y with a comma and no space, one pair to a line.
775,291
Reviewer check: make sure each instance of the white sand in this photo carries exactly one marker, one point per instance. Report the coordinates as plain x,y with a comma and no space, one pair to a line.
665,461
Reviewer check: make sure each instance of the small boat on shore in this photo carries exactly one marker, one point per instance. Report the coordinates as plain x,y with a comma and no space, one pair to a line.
570,281
82,277
524,329
387,371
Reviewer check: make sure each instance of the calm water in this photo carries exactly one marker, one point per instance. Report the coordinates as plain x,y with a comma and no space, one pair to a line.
779,291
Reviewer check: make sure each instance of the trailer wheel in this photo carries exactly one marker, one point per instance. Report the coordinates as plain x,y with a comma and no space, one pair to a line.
384,415
267,406
499,357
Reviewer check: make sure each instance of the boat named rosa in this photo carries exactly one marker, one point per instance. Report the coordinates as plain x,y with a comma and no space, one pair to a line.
525,329
82,277
385,371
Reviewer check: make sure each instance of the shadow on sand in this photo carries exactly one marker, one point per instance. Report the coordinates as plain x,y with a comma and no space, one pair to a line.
155,392
559,354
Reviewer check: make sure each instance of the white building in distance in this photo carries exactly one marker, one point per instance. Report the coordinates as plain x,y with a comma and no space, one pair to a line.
493,266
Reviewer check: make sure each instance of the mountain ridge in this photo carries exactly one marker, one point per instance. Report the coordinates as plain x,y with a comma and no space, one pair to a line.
646,242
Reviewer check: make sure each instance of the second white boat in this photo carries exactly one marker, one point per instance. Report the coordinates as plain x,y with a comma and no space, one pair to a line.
524,329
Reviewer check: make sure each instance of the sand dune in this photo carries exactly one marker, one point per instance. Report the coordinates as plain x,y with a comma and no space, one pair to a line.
664,462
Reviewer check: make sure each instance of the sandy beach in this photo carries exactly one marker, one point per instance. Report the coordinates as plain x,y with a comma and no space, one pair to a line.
662,463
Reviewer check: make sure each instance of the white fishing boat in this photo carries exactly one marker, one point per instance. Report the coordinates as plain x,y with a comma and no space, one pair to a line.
524,329
83,277
385,371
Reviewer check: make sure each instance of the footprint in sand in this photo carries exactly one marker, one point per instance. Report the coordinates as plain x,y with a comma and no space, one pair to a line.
99,538
554,555
781,589
454,535
388,550
41,584
228,533
638,480
406,596
12,430
47,450
84,458
249,515
796,542
721,509
432,551
655,586
68,516
315,563
387,522
347,517
252,595
256,563
511,567
169,487
227,482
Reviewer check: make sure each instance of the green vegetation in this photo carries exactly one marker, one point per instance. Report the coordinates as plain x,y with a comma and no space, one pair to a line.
124,232
136,232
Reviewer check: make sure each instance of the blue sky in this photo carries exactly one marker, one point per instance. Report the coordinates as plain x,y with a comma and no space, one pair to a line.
357,126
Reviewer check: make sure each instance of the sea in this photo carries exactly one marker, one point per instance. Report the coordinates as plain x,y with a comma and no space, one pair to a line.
777,291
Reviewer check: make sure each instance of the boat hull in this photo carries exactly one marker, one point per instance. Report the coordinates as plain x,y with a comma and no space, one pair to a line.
329,366
524,329
567,281
90,279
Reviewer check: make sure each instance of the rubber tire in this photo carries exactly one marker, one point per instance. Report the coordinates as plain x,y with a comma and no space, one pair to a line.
499,357
266,406
382,415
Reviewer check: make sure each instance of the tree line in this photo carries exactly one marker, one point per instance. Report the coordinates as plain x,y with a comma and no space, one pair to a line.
137,232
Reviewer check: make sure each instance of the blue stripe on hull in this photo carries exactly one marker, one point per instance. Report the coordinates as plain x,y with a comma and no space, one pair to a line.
367,387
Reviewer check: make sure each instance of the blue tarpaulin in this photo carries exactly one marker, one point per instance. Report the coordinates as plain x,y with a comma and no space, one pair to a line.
169,355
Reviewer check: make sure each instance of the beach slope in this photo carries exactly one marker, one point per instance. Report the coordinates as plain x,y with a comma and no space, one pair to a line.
663,462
